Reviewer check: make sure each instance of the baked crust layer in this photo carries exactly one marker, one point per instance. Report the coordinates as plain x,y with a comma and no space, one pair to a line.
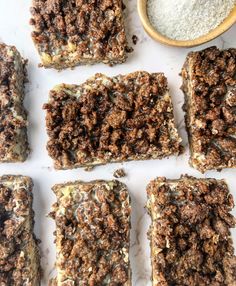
209,84
13,120
190,232
19,252
127,117
72,32
92,233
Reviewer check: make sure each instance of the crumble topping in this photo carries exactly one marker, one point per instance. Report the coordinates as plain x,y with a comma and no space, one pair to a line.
92,233
19,253
115,119
190,232
209,85
13,120
72,32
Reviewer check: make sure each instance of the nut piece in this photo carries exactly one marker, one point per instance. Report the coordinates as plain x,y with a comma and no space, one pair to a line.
190,232
209,86
92,233
107,120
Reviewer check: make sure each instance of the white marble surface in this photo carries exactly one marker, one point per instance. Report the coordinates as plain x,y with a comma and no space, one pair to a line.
148,55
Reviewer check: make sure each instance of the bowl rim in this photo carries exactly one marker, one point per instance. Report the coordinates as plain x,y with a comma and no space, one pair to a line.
220,29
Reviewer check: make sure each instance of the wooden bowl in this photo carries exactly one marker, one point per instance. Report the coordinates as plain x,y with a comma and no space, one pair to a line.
224,26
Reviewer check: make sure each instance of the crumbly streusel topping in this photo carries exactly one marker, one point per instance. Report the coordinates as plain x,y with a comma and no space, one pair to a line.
67,33
19,258
209,83
92,233
13,132
111,119
190,233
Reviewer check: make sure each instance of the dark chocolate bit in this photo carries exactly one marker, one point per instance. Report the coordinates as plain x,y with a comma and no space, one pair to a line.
134,39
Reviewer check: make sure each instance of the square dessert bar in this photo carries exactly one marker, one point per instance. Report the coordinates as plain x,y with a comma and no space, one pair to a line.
19,252
13,121
73,32
127,117
92,233
190,232
209,85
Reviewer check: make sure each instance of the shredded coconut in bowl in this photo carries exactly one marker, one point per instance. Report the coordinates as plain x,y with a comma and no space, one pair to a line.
187,19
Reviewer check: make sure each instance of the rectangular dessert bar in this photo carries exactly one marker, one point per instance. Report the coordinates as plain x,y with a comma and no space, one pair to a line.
92,233
13,121
209,85
127,117
72,32
190,232
19,252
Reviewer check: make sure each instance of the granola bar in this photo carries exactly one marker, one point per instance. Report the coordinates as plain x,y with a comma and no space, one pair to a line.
209,84
13,131
19,253
127,117
190,232
92,233
73,32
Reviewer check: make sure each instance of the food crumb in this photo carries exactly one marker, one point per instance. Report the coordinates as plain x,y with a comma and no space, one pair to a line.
119,173
88,168
134,39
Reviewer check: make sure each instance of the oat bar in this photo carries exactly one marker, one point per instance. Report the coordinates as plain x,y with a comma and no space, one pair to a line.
13,131
190,235
92,233
127,117
73,32
19,253
209,85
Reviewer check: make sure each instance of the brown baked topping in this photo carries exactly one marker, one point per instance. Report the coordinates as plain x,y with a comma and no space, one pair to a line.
209,85
190,232
19,254
92,233
13,131
110,120
72,32
119,173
